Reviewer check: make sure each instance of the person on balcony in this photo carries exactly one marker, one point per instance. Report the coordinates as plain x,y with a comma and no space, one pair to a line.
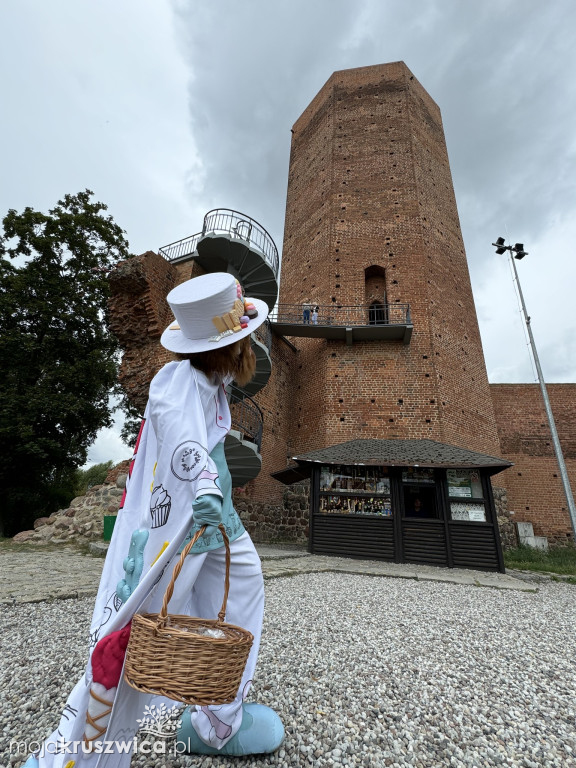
178,481
315,314
306,308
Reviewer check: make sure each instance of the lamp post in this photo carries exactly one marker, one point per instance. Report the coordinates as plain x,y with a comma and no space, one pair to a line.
517,252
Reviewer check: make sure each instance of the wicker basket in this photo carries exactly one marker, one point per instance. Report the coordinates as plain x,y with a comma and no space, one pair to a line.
166,655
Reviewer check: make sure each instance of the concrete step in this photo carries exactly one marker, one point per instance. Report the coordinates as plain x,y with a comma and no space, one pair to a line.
242,457
217,252
526,537
263,369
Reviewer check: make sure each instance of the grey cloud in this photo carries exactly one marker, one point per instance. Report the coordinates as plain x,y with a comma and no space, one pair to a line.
253,70
169,109
491,66
499,70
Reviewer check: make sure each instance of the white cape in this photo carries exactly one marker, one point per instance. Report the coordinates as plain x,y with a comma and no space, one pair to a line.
191,415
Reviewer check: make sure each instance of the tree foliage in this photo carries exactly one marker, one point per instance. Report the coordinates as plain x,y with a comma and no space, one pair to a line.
58,360
94,475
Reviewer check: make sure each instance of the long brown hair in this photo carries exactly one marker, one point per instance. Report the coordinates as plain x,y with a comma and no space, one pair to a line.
237,360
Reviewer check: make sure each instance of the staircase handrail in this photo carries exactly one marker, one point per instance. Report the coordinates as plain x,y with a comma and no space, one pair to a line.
180,248
242,227
264,335
247,417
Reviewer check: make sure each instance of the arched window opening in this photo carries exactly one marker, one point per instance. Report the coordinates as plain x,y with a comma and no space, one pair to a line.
375,295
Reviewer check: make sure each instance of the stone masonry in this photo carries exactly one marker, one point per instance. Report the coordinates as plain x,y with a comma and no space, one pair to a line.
83,521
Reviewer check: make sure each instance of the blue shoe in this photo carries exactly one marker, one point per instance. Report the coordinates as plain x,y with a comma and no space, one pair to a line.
261,732
32,762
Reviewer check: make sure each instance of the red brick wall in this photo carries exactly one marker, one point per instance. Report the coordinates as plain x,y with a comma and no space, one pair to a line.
534,487
138,315
276,401
370,185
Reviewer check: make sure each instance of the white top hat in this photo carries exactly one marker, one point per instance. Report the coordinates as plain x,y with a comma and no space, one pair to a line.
210,313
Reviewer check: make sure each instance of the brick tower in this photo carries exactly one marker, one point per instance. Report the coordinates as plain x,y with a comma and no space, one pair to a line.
382,395
372,226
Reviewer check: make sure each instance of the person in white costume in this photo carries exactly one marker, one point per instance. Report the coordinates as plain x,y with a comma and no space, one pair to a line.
178,481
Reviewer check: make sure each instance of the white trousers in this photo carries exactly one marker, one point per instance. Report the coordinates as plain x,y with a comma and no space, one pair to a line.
198,591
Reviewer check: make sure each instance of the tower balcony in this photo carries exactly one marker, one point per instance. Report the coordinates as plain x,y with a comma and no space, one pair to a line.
386,322
233,242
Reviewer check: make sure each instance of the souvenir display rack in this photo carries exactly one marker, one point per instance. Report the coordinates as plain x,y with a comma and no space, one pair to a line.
356,490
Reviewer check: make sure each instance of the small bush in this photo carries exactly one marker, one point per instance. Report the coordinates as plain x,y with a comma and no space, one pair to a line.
95,475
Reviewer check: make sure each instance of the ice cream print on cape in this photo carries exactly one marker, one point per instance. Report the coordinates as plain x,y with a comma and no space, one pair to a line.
107,663
160,504
112,606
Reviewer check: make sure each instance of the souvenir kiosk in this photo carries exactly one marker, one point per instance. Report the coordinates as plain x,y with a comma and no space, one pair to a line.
406,501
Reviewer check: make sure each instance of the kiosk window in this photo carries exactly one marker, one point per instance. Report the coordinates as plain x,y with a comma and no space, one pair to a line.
420,501
464,483
469,512
355,490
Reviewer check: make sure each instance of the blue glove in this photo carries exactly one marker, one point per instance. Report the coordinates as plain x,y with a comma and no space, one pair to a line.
208,511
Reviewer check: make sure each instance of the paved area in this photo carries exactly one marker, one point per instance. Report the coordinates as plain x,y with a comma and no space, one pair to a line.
30,574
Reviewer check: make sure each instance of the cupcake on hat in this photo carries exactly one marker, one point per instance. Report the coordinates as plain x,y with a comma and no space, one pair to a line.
210,312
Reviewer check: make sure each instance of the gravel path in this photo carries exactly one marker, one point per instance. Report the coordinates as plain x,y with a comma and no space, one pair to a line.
364,671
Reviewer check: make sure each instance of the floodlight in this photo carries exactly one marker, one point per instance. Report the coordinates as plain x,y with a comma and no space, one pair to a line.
519,251
500,247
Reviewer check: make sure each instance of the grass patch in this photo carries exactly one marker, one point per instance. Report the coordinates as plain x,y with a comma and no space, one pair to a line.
8,545
560,560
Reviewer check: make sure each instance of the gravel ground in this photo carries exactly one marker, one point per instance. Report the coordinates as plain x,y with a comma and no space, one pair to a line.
364,671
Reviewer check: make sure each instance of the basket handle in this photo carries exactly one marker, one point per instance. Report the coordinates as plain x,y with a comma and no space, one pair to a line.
178,567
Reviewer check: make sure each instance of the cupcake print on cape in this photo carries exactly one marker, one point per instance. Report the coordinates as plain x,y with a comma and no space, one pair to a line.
160,503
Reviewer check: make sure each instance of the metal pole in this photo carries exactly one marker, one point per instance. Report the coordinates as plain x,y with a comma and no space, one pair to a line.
555,440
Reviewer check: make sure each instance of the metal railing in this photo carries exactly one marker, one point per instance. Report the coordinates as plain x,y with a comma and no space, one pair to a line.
180,248
337,315
247,418
242,227
264,334
229,222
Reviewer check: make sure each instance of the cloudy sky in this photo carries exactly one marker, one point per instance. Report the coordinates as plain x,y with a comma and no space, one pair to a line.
168,108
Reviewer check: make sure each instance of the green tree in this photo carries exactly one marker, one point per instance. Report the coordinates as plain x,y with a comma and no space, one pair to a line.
58,360
94,475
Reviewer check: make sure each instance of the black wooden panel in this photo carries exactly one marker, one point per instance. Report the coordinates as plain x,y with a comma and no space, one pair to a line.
353,536
424,541
473,546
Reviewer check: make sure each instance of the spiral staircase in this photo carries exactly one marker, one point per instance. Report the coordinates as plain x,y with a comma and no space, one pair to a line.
233,242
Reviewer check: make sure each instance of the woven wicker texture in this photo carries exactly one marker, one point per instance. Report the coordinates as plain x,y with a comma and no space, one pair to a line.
167,655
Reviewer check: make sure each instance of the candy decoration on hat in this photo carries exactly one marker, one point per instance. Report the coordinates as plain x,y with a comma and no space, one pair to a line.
221,336
250,310
235,320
